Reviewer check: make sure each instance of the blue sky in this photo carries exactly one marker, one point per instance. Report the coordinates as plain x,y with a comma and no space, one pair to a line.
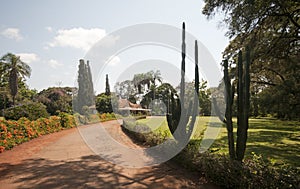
51,35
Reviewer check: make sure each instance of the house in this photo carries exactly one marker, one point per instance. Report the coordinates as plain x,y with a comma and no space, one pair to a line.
126,107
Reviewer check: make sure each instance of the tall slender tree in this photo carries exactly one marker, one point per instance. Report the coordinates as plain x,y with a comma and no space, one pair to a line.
85,96
91,95
14,68
178,116
107,88
243,102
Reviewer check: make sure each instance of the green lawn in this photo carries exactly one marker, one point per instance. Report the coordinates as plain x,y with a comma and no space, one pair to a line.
276,140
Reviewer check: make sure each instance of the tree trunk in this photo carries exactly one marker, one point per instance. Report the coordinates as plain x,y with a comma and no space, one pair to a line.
13,84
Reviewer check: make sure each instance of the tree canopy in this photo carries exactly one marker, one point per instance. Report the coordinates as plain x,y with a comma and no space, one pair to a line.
270,28
56,99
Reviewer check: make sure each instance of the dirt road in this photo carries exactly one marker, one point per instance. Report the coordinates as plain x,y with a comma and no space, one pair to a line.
63,160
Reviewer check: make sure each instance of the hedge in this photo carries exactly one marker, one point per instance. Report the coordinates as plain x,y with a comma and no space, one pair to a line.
13,133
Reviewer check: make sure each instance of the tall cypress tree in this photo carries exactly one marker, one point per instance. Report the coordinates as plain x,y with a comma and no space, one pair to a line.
90,87
107,89
85,87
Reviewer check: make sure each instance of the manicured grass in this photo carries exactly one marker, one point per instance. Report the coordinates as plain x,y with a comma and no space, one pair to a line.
276,140
158,124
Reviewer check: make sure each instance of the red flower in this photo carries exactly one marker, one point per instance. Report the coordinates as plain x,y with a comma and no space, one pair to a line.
2,149
9,135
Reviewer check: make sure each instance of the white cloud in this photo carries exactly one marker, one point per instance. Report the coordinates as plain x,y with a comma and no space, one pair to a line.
28,57
12,33
79,38
49,29
54,63
113,60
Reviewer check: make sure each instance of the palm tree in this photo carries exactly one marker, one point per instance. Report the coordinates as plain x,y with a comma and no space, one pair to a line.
14,68
146,79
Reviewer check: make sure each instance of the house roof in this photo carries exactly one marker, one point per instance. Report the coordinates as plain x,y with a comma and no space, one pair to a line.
125,104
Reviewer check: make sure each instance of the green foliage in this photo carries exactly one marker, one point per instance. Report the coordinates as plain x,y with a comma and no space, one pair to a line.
107,116
253,173
126,90
104,103
25,95
143,80
13,68
32,111
142,133
66,120
271,29
204,96
56,99
85,96
280,101
162,93
5,100
204,99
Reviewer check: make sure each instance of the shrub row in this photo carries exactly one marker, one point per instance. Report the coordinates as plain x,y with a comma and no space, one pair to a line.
107,116
219,169
253,173
94,118
32,111
13,133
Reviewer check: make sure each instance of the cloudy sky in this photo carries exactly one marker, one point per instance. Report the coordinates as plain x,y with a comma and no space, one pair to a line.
52,35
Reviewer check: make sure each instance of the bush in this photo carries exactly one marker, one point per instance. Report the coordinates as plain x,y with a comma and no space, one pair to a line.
32,111
94,118
104,104
13,133
142,133
107,117
66,120
253,173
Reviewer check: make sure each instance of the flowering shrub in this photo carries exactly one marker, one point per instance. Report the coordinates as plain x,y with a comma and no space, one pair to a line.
107,117
13,133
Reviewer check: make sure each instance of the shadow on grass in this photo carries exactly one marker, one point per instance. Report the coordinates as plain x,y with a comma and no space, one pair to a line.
273,139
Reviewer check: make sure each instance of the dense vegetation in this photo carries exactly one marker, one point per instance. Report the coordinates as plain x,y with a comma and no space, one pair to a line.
271,30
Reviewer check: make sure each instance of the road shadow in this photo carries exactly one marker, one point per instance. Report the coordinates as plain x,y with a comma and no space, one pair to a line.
90,172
